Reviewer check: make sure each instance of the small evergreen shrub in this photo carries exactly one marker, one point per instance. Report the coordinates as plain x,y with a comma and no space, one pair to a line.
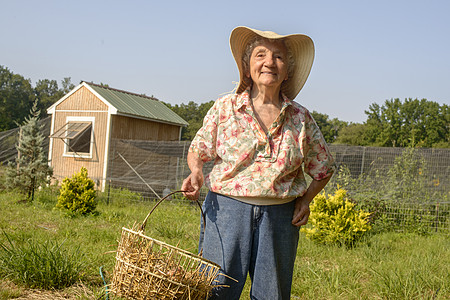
30,170
336,220
77,194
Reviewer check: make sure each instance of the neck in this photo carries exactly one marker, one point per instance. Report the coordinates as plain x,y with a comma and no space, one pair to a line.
265,95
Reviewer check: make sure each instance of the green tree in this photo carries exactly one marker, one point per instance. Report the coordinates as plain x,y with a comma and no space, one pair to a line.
66,85
329,128
433,125
373,125
193,114
16,98
411,123
48,92
354,134
30,169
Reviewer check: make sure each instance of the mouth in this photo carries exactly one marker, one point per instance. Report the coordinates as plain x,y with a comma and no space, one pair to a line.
269,73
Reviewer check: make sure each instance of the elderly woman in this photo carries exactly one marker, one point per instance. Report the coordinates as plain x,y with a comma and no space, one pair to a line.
262,143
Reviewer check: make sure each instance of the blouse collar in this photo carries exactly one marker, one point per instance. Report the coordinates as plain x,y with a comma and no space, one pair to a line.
243,99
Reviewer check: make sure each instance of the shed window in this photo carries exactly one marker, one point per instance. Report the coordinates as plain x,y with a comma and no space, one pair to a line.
81,140
77,135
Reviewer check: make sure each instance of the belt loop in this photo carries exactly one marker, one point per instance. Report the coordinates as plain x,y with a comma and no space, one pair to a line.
257,214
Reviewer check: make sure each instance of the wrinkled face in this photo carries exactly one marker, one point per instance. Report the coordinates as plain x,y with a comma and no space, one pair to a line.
268,64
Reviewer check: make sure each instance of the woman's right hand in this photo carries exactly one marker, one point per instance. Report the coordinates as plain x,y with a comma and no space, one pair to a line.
192,184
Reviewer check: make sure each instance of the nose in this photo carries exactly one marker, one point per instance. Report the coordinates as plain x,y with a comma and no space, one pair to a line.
270,60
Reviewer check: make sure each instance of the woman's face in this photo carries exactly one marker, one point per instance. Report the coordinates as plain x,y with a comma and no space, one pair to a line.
268,64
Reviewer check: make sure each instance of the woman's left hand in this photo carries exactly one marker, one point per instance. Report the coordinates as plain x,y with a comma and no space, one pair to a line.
301,212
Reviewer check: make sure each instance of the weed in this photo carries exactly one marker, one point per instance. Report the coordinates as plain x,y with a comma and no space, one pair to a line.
36,264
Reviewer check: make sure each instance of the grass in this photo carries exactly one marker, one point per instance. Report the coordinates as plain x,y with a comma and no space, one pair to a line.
383,266
37,264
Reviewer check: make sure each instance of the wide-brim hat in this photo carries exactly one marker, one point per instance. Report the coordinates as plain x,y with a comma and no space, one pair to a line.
300,46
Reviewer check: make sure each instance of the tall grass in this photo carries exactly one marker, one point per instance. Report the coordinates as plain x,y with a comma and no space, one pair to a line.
383,266
40,264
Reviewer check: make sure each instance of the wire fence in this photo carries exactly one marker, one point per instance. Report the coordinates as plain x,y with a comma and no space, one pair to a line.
418,217
163,166
9,139
142,170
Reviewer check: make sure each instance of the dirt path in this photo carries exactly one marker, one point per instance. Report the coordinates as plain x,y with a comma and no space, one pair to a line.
9,290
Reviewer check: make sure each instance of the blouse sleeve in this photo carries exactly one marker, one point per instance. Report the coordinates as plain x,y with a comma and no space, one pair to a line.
204,142
318,161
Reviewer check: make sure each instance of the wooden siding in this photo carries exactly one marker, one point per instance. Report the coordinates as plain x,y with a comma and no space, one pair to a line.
82,99
64,166
138,129
83,103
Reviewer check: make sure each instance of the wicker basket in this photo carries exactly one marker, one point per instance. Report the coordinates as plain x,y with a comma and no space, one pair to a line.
150,269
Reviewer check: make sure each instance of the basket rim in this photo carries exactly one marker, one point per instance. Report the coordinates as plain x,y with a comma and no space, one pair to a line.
140,233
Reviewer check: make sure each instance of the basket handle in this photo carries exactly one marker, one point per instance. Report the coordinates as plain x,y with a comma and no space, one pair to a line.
164,198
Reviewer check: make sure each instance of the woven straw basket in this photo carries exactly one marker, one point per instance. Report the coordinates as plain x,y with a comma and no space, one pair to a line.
150,269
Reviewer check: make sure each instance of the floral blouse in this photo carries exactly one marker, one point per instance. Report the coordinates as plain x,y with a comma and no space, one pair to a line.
250,163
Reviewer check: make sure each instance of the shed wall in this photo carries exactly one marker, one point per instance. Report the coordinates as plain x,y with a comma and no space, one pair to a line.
82,99
139,129
82,103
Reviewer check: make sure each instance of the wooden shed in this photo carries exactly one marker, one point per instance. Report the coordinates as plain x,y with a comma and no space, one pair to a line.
86,120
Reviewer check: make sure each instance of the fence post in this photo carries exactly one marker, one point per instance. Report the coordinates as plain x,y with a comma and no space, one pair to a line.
437,216
362,160
109,192
18,151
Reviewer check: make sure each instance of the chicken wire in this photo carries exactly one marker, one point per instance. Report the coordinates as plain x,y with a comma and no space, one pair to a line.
9,139
164,165
135,165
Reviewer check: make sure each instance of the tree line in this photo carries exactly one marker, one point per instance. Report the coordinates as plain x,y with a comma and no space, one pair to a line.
395,123
17,96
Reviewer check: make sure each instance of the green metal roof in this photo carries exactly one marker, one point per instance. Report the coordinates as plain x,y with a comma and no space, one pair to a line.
142,106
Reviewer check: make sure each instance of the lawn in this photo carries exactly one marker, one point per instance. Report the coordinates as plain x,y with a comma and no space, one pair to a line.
387,265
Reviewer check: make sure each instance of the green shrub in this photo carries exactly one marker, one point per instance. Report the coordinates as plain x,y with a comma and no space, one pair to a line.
77,194
30,169
335,220
37,264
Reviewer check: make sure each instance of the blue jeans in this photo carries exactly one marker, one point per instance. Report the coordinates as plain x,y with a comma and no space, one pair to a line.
250,239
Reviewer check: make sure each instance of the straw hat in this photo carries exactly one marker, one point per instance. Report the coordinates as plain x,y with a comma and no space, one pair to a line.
300,46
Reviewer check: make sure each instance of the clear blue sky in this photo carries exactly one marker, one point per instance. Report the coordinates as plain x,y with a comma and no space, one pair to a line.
178,51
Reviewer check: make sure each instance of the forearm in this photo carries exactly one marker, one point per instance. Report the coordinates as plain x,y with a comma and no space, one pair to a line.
195,163
314,188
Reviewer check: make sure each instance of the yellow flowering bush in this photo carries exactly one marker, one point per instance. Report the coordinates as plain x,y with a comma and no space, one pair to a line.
334,219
